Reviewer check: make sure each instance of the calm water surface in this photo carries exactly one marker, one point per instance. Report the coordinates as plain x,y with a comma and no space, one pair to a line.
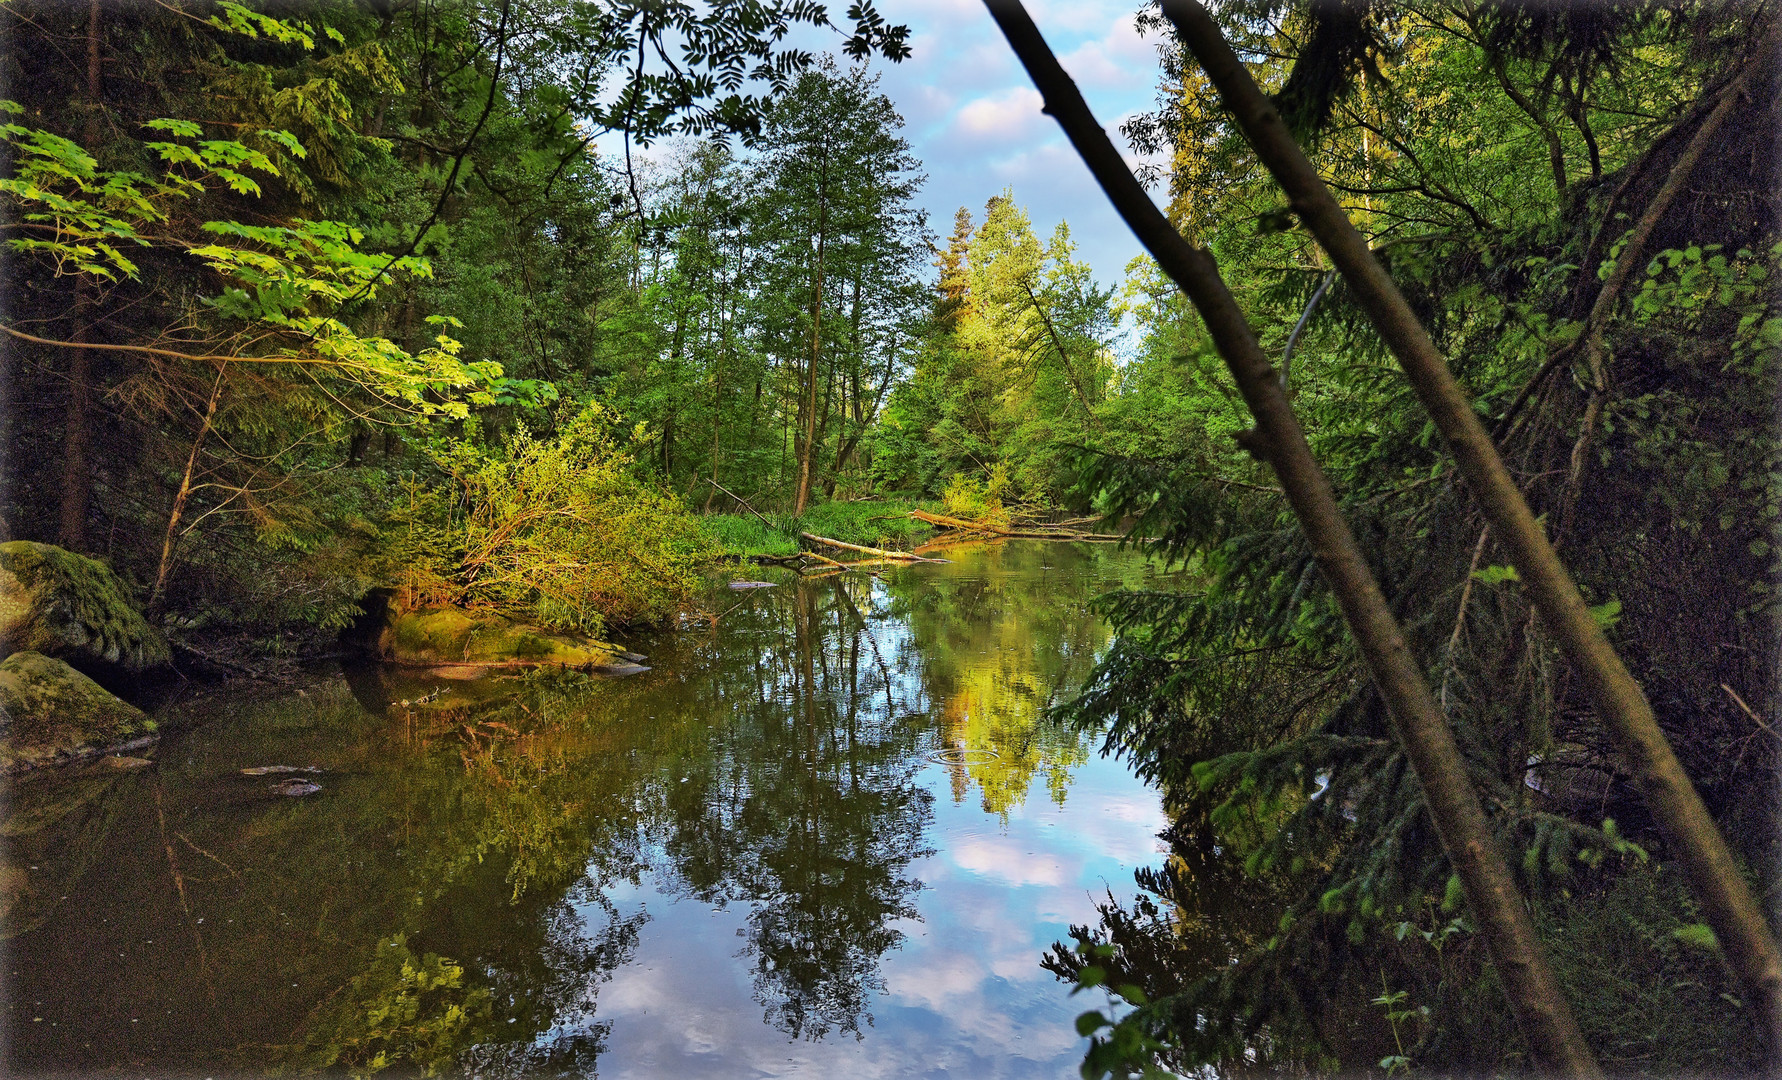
829,836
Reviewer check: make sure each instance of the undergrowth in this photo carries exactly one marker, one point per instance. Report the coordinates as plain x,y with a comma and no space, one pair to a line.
876,523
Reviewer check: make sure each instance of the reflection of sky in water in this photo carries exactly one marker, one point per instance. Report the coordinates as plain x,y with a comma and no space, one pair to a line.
745,863
964,994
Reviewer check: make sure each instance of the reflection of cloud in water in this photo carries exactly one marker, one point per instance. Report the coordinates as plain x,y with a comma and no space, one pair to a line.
933,978
1122,828
1005,861
681,1011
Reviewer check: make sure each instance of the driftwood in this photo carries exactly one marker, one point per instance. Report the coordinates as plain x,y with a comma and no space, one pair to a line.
901,556
825,560
1041,533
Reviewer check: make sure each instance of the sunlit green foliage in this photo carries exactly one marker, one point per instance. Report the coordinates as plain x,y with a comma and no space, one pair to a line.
556,529
1017,373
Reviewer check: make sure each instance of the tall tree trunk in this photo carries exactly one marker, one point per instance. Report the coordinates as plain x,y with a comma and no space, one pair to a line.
843,441
77,472
808,451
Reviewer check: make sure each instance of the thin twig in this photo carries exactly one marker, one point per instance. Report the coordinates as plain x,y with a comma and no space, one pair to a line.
1755,719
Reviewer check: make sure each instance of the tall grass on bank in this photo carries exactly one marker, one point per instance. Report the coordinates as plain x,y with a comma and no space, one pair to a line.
880,523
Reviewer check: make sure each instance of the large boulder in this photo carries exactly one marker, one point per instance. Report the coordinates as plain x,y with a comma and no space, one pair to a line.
60,604
51,713
453,641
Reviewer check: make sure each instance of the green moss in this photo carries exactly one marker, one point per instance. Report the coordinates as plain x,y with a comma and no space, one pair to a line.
53,712
61,604
453,636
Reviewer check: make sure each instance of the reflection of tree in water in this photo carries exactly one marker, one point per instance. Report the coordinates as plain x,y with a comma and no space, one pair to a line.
1193,921
996,645
244,928
486,832
562,1037
807,813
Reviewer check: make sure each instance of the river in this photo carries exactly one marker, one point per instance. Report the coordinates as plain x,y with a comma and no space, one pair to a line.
830,833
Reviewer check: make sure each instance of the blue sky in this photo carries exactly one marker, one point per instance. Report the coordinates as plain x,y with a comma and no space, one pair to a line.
974,119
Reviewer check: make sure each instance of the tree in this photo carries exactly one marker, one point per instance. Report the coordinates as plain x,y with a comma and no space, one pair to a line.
1449,230
835,212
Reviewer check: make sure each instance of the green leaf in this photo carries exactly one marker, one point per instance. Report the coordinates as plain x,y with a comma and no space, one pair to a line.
1606,614
1494,575
184,129
1697,936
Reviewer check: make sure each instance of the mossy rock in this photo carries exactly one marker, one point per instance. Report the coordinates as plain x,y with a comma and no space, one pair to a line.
50,713
454,641
60,604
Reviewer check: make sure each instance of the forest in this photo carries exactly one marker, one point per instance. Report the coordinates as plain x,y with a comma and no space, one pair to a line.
466,306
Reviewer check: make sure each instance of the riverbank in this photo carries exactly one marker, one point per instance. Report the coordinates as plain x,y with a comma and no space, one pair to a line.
881,523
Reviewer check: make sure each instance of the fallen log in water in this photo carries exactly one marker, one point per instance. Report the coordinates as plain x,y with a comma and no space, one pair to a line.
999,530
902,556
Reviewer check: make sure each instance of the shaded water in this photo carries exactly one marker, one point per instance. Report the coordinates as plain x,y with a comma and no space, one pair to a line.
829,835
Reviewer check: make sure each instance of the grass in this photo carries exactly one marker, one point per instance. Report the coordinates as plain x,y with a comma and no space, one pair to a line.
881,523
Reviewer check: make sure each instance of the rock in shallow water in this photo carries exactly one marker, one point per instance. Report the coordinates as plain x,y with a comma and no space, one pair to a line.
455,643
51,713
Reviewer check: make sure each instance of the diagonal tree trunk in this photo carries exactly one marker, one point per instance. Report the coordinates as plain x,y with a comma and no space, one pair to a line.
1541,1010
169,541
1706,860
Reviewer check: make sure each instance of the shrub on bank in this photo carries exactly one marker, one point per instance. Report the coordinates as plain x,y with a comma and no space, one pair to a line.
556,530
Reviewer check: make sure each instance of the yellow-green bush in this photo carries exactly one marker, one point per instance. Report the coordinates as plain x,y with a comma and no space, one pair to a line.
558,530
972,499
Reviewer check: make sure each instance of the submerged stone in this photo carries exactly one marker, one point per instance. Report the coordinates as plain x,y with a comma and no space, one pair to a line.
452,641
50,713
68,606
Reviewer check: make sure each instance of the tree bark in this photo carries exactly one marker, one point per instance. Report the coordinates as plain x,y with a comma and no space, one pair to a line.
1707,862
1541,1011
808,451
1633,251
77,472
1555,149
876,552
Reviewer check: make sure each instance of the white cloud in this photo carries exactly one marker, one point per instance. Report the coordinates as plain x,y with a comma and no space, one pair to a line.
1011,114
1116,60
